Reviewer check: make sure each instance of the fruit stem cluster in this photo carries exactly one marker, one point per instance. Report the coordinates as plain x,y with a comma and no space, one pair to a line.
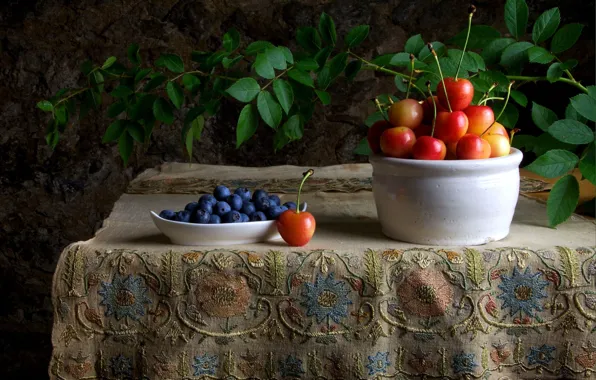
306,174
502,109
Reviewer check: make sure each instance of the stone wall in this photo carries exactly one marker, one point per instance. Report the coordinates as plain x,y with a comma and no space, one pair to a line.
49,199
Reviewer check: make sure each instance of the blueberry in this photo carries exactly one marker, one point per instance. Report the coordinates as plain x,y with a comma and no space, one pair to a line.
262,204
182,216
274,199
221,193
244,218
258,194
214,219
200,216
248,208
208,198
274,212
191,207
258,216
244,193
167,214
232,217
290,205
205,205
284,208
222,208
235,202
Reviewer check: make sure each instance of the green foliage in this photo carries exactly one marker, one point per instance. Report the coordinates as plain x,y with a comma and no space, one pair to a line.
562,200
516,17
546,25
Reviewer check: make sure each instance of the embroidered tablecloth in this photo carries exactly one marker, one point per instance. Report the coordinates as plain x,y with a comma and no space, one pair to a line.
350,305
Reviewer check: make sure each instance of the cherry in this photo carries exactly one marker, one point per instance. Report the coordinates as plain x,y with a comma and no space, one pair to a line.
496,129
297,227
429,148
451,151
374,135
397,142
479,118
406,113
460,93
499,145
451,126
472,147
427,108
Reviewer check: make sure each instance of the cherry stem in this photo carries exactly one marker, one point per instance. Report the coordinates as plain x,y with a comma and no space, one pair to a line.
503,109
434,53
471,10
432,132
482,103
487,93
378,104
306,174
513,132
412,58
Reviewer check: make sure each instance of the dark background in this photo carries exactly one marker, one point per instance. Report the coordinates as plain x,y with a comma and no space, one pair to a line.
50,199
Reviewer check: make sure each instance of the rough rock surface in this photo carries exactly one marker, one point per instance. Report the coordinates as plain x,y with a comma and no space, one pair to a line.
49,199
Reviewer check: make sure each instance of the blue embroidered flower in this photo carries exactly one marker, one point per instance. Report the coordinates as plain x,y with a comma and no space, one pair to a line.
522,291
541,355
205,365
463,363
292,367
378,363
121,366
326,298
124,297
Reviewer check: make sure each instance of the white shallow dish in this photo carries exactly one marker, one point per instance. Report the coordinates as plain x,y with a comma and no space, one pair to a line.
216,234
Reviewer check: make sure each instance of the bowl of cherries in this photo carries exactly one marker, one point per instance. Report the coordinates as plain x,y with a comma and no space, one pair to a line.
444,172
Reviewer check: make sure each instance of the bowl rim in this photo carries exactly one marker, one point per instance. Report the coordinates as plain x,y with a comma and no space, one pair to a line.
514,155
201,225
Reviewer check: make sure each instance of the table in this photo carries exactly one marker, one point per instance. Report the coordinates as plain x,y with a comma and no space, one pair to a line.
350,305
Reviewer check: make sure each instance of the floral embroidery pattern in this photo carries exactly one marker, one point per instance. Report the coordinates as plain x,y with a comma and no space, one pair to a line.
121,366
541,355
426,293
205,365
463,362
291,367
124,297
326,298
522,291
378,363
223,295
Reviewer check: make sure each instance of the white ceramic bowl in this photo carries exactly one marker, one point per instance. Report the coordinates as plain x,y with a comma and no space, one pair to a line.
216,234
455,202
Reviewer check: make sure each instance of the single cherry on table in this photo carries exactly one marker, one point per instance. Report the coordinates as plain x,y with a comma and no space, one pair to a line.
297,227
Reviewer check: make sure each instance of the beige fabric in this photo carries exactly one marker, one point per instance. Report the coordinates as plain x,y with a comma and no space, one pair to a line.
350,305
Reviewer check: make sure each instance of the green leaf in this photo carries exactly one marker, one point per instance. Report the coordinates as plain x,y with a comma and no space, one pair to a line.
585,105
86,67
200,56
230,62
555,71
154,82
516,17
133,54
143,108
338,64
480,65
352,69
97,80
592,91
244,90
231,40
121,92
571,113
566,37
373,118
162,110
525,142
323,55
493,51
539,54
468,63
114,131
546,25
269,109
384,60
400,83
257,47
554,163
91,99
61,115
571,132
425,55
306,64
357,35
308,38
324,78
175,94
142,74
45,106
215,59
136,131
562,200
301,77
193,132
191,83
172,62
293,128
515,54
125,146
247,124
546,142
327,29
414,45
287,54
263,67
510,115
116,109
324,97
276,57
542,116
109,62
363,148
519,97
480,36
587,165
285,95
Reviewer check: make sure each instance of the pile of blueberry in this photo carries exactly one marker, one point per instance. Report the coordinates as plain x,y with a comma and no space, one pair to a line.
225,207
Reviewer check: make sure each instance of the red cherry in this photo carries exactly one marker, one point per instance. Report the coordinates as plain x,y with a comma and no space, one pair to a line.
479,118
427,109
472,147
451,126
460,92
406,113
296,228
429,148
397,142
374,135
